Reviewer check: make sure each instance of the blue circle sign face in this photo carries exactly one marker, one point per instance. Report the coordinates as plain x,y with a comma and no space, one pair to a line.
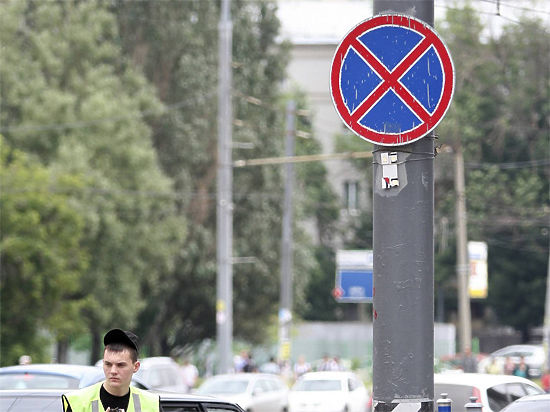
392,79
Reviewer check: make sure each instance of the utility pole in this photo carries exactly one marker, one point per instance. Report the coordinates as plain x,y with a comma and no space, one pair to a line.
403,247
285,310
224,207
546,328
462,265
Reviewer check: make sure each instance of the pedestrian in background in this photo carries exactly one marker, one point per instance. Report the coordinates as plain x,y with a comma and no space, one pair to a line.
271,367
190,374
521,369
301,367
545,380
509,366
327,364
120,362
469,361
493,367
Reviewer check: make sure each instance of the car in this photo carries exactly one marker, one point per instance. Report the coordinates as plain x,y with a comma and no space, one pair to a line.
49,400
54,376
335,391
493,391
531,403
533,355
254,392
161,373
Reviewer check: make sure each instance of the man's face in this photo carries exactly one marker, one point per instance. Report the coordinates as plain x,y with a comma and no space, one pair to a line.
118,368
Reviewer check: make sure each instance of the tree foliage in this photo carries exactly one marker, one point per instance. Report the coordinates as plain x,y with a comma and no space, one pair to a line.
500,115
41,256
74,101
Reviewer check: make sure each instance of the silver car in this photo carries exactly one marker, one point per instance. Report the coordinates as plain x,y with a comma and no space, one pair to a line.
50,401
533,355
494,392
254,392
54,376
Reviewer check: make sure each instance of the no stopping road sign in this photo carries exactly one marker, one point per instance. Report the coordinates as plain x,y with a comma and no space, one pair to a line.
392,79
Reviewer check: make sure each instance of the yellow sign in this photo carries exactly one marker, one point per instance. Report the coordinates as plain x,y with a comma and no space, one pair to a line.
478,282
284,350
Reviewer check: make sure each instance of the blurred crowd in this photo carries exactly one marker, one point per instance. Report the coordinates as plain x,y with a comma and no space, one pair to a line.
244,362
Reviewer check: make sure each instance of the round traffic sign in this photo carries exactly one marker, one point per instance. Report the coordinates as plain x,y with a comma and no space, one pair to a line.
392,79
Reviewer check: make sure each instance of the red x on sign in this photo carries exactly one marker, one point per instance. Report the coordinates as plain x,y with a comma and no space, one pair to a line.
392,79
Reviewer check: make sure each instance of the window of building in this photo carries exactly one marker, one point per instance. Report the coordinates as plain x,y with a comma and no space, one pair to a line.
351,195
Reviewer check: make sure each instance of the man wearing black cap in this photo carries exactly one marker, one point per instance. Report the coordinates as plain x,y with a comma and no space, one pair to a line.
120,362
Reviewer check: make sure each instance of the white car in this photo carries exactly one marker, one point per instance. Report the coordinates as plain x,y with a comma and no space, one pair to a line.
328,392
162,373
533,355
254,392
493,391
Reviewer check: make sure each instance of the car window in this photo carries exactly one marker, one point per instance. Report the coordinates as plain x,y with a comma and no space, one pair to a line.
169,377
271,385
458,394
37,381
223,386
276,384
174,408
154,377
34,404
498,397
516,391
532,390
318,385
260,387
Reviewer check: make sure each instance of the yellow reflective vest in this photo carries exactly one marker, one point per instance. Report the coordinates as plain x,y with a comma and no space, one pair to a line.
87,400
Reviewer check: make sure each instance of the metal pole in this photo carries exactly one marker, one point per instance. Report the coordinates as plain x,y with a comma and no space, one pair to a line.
403,302
462,266
224,303
285,310
546,328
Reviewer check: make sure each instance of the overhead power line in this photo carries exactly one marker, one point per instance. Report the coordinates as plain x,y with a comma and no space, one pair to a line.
301,159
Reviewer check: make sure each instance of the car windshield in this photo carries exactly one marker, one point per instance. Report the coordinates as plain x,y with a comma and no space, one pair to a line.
219,386
460,394
37,381
318,385
31,404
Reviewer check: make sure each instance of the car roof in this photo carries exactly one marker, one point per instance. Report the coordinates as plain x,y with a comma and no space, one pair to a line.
514,348
245,375
87,374
541,397
162,360
168,396
478,379
76,371
327,375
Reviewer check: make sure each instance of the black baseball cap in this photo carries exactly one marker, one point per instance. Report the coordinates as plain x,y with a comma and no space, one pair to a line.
122,336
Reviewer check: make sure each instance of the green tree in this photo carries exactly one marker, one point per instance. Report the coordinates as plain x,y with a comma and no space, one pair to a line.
71,98
176,45
41,259
500,117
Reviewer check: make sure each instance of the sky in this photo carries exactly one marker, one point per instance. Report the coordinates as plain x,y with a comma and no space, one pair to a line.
314,21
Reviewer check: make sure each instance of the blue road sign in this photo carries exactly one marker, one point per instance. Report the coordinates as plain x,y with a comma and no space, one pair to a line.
392,79
353,285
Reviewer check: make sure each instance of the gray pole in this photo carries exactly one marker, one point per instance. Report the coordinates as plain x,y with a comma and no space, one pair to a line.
462,266
546,328
403,302
224,303
285,310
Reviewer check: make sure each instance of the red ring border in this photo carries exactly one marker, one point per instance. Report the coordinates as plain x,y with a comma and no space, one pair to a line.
448,87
